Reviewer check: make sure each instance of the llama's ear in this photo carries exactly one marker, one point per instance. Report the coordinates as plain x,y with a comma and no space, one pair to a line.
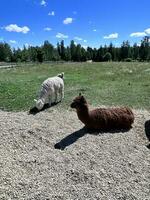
35,100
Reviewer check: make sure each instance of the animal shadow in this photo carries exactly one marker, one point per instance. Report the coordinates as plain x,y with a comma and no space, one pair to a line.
147,131
73,137
70,139
34,110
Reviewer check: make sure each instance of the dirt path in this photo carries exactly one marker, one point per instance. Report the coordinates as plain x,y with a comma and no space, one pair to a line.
91,166
7,66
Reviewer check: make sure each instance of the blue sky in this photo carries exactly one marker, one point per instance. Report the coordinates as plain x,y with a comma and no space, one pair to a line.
88,22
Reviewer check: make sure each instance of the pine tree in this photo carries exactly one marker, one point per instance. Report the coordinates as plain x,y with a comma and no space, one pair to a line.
62,50
72,50
5,52
100,54
47,49
135,53
125,50
39,55
90,53
78,53
144,49
24,55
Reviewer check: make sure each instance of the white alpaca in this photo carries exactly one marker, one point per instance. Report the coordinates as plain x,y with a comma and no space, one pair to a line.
51,90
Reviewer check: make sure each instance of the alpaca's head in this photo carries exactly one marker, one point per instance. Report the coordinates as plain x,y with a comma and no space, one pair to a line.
61,75
79,102
39,104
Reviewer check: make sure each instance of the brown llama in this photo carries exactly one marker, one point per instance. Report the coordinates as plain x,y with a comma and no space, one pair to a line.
102,118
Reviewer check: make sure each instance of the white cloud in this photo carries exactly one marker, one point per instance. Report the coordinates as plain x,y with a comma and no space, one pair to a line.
147,31
68,20
28,45
84,46
47,29
13,41
94,30
16,28
111,36
43,3
138,34
62,36
1,39
51,13
78,38
139,44
141,34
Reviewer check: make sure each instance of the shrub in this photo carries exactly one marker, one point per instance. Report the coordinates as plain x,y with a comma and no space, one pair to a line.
128,60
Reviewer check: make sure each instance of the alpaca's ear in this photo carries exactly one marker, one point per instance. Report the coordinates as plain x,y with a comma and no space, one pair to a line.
82,99
63,75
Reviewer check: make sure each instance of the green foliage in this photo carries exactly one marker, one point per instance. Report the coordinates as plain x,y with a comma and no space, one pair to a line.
73,52
40,55
5,52
48,51
128,60
107,57
125,50
105,83
144,49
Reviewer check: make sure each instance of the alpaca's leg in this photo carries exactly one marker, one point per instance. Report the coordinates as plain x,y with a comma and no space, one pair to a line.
56,96
50,101
50,97
61,92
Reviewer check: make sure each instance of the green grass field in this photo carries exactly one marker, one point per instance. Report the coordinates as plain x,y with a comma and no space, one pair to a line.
106,83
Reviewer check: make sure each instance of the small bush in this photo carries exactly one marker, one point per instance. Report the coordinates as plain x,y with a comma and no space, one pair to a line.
128,60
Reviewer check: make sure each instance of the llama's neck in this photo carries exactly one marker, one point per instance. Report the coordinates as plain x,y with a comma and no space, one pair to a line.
83,113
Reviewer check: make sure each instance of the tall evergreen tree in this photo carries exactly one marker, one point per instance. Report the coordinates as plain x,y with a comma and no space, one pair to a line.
24,54
144,48
125,50
40,54
72,50
48,50
90,53
58,48
135,54
62,50
5,52
100,54
78,53
67,54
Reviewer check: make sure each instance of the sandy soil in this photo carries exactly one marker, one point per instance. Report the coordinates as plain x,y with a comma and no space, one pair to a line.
87,166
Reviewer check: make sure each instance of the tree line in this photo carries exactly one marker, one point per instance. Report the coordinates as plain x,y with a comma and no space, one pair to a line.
75,52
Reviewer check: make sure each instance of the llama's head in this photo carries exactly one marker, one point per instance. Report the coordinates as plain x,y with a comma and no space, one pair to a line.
39,104
79,102
61,75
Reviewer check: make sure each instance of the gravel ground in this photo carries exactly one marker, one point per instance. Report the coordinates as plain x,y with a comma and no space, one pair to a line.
88,166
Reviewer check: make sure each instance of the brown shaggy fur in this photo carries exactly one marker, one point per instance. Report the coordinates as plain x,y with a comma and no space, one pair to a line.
102,118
